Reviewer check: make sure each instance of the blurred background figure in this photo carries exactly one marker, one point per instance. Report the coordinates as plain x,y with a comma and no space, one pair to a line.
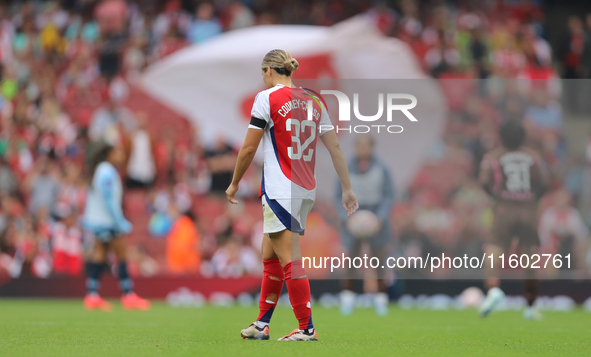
563,231
44,186
206,25
516,178
374,189
221,159
183,245
66,243
141,164
111,17
103,217
234,259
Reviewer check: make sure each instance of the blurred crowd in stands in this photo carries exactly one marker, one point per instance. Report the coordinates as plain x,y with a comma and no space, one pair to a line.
68,67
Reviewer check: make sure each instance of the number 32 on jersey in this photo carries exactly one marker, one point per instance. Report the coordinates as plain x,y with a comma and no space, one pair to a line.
299,150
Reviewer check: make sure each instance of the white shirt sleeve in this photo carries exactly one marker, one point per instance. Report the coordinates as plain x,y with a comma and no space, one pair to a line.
325,123
260,115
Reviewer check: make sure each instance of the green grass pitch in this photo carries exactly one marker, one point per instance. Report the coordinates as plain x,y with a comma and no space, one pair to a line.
64,328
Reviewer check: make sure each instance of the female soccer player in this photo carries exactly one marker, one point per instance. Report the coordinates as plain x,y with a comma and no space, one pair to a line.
103,216
289,119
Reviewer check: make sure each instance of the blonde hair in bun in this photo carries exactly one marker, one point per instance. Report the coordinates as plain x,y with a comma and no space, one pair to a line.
281,61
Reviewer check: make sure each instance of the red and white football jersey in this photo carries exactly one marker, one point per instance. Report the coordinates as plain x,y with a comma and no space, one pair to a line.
289,141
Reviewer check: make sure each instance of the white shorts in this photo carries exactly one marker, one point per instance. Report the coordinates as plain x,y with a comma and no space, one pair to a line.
282,214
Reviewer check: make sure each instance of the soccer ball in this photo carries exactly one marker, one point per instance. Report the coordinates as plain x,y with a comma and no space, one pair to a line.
471,297
363,224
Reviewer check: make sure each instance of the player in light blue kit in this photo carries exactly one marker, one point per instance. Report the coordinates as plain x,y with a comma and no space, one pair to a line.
103,216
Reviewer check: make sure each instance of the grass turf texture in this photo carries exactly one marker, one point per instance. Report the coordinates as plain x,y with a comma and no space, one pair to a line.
64,328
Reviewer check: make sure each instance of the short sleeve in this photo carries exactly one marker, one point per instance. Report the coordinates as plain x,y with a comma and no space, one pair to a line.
325,123
260,115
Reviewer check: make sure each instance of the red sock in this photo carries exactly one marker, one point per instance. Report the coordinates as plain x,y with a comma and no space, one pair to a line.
299,293
272,268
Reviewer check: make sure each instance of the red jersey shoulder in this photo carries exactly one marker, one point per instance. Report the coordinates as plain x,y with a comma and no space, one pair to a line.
291,102
317,95
278,99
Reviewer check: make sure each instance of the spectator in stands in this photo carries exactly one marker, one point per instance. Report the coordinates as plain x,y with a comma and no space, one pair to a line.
111,17
571,55
206,25
543,112
442,57
134,58
8,182
573,47
220,163
111,121
183,246
5,222
479,52
586,56
141,165
140,263
240,16
172,42
72,190
43,185
373,184
508,59
562,229
234,259
533,43
173,18
66,244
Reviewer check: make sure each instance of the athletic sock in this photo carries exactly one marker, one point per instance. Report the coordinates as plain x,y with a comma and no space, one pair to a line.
93,280
273,277
261,324
125,283
530,291
298,288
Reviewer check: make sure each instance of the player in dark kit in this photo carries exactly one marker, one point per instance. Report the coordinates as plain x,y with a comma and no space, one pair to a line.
515,177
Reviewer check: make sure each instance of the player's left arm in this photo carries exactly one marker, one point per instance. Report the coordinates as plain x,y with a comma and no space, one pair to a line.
245,156
330,140
387,197
541,177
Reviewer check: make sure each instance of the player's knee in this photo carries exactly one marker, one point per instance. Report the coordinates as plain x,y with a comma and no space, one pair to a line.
271,298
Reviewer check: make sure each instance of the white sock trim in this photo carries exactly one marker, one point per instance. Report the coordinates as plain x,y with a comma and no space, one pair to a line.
261,324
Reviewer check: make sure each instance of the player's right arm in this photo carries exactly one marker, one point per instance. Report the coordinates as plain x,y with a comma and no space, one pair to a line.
330,140
259,120
540,177
245,156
